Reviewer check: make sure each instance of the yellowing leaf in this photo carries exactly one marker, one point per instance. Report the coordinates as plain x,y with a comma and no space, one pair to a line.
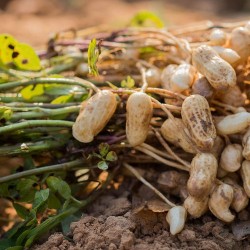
146,19
62,99
93,54
7,46
25,58
31,91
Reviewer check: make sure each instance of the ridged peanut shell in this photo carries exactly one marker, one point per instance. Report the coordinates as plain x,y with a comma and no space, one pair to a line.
202,175
197,117
218,72
139,113
173,131
94,116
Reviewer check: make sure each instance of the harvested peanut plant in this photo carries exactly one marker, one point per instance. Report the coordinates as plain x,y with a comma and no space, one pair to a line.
175,100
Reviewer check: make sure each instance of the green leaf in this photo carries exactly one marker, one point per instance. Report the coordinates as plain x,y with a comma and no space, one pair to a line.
31,91
4,190
32,220
15,248
25,57
62,99
7,45
103,149
41,198
102,165
53,183
111,156
26,189
66,223
128,83
64,190
54,202
60,186
6,243
146,19
21,210
28,162
93,55
22,236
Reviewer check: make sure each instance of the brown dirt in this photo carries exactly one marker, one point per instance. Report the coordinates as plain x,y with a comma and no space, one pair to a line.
119,220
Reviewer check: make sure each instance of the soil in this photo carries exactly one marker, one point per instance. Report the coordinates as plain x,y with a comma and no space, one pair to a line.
121,219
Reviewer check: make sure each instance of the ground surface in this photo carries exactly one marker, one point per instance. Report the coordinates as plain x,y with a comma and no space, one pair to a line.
118,220
111,222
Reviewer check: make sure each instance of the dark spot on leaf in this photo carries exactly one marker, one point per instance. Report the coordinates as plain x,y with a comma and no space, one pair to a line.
15,54
2,121
10,46
5,37
24,61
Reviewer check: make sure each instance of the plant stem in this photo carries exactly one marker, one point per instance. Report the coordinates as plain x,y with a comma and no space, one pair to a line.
44,113
22,106
58,167
14,97
145,182
35,123
11,85
31,147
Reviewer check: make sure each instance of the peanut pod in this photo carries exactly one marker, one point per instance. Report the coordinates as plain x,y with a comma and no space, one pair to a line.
173,131
245,175
176,218
197,117
94,115
196,208
218,72
220,201
231,158
139,113
240,199
202,175
182,78
233,124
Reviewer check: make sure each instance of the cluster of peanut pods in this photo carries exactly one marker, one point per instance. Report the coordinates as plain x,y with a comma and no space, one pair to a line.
205,99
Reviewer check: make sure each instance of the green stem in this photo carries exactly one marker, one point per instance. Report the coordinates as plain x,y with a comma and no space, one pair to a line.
31,147
22,106
44,113
9,98
11,85
36,123
58,167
